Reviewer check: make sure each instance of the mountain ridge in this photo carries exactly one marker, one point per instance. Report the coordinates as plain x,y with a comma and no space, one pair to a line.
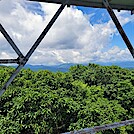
65,67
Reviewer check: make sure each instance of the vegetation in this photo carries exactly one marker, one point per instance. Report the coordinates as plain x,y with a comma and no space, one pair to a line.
43,102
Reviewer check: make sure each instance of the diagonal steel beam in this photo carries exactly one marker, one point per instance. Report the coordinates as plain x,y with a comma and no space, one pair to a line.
119,27
11,42
24,60
11,79
45,31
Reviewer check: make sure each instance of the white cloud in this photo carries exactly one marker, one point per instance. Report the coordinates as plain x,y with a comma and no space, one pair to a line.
71,39
115,54
4,55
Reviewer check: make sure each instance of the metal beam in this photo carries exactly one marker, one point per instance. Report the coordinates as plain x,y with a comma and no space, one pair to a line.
115,4
11,79
5,61
119,27
23,60
45,31
11,42
102,128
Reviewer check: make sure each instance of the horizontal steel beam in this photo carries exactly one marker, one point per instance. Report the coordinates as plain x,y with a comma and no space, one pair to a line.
115,4
6,61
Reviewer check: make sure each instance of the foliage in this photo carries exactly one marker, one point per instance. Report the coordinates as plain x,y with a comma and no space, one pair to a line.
43,102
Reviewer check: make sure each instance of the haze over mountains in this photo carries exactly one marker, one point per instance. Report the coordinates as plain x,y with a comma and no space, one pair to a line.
65,67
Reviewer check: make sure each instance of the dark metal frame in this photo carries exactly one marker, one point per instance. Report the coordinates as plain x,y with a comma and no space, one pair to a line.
92,3
119,27
22,60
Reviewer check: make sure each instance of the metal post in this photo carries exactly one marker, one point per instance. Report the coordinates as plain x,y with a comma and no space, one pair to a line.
119,27
23,60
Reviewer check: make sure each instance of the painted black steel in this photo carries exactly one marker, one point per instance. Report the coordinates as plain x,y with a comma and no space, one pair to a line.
23,60
45,31
11,79
119,27
11,42
115,4
6,61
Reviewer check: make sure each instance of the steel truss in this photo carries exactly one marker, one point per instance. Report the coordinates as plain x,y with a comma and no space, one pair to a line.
22,60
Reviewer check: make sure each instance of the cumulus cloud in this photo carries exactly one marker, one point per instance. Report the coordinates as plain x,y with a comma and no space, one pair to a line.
71,39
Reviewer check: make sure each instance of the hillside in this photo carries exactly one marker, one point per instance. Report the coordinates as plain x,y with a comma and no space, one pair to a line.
44,102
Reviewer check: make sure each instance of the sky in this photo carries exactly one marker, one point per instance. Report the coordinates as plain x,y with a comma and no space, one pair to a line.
79,35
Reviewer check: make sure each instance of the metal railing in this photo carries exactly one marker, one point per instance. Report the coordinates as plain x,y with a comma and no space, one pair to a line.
93,130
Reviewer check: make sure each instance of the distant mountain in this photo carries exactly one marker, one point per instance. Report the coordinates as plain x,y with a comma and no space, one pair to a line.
123,64
65,67
53,68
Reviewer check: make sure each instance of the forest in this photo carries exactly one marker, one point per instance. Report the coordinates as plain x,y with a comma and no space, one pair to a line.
44,102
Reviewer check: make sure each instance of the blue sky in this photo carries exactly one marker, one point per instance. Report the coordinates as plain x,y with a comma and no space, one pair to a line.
80,35
103,16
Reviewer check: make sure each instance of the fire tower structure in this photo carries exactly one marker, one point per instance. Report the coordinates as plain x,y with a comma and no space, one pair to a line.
107,4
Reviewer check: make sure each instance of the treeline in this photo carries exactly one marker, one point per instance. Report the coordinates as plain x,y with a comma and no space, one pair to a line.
43,102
